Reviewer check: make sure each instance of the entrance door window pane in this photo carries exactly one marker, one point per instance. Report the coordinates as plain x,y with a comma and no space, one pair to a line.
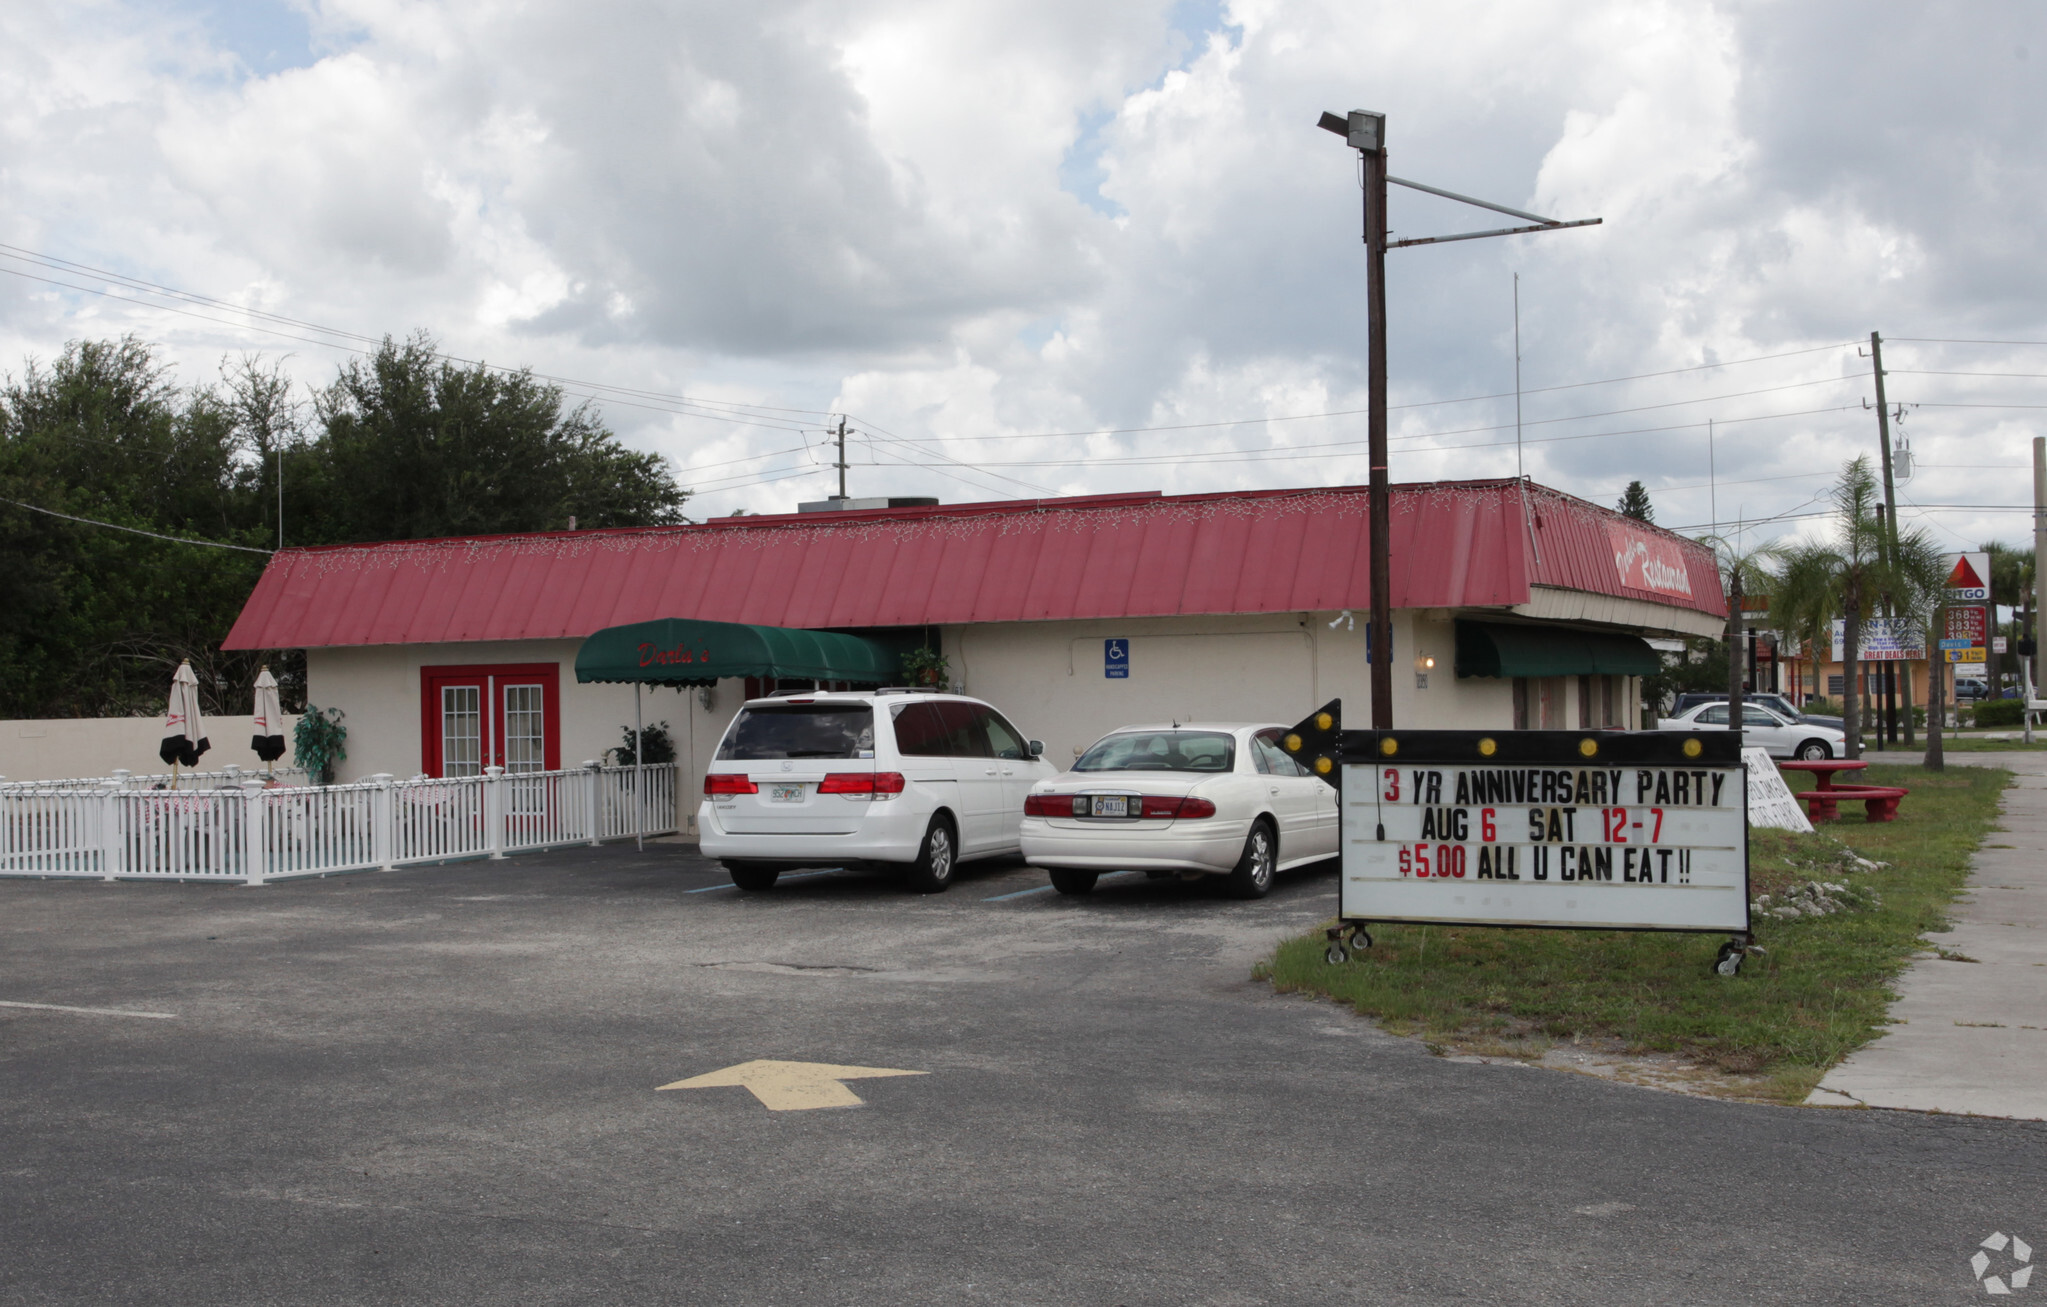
525,730
461,730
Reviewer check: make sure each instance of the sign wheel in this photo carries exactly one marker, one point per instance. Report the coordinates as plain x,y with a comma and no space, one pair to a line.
1729,961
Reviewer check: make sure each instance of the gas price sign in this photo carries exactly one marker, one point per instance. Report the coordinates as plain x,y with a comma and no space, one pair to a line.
1636,830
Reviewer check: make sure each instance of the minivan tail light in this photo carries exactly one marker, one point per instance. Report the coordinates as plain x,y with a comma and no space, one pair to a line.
875,784
729,783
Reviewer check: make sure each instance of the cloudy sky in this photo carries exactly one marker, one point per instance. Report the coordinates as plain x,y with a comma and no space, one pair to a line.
1078,246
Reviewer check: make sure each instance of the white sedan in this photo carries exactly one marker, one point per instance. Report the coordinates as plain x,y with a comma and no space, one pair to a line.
1780,736
1188,800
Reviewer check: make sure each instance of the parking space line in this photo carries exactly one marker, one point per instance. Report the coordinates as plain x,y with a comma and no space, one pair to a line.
1041,889
92,1011
801,875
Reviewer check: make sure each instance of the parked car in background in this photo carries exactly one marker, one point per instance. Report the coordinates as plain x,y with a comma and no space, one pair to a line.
1776,703
900,780
1192,800
1781,736
1968,689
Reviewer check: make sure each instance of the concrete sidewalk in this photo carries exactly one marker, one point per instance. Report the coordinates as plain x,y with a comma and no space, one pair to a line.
1972,1036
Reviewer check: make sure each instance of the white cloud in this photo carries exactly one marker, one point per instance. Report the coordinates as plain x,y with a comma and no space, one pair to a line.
892,208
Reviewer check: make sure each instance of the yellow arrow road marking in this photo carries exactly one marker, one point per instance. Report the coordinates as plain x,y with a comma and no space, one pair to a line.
792,1086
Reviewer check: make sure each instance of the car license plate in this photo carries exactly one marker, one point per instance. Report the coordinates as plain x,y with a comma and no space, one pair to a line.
785,794
1111,805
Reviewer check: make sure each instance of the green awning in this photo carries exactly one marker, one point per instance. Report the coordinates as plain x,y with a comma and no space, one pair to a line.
1500,649
684,651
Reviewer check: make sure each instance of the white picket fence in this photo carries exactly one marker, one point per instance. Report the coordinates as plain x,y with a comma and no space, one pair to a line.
254,834
226,778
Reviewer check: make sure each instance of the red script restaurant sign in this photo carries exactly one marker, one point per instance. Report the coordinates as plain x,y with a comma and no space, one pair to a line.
1647,561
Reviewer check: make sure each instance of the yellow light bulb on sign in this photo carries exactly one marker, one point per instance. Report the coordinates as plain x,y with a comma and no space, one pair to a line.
1588,746
1293,743
1487,747
1323,766
1693,748
1323,721
1389,746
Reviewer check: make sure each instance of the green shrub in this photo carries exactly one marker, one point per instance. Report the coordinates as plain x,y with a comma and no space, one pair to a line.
2001,712
318,742
660,747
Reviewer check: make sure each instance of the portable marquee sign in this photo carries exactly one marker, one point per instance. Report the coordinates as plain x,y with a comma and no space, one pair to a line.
1579,830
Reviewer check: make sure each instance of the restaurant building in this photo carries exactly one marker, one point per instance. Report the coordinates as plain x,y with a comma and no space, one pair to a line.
1514,606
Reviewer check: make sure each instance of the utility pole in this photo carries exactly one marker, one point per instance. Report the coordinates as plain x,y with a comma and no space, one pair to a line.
1889,536
1379,492
1365,132
2039,568
841,433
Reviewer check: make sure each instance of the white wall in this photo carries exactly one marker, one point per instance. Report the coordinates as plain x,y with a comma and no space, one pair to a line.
82,747
1048,676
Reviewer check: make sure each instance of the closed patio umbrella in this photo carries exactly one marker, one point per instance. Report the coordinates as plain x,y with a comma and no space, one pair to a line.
184,734
268,740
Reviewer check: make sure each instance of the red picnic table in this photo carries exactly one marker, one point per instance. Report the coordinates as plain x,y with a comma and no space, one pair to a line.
1879,802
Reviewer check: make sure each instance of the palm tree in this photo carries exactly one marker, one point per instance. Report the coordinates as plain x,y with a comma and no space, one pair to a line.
2011,584
1742,573
1846,576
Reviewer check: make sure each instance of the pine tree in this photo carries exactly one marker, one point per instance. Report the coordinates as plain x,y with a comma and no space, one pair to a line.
1635,503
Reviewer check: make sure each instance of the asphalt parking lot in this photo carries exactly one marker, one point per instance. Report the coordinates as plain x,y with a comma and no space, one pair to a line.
442,1085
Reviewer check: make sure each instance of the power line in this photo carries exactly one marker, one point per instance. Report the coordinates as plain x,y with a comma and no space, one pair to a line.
1353,412
50,260
682,405
1289,453
1936,340
1930,372
1929,403
136,530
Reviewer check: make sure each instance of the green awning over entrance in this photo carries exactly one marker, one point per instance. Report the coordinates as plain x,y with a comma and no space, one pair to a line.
684,651
1500,649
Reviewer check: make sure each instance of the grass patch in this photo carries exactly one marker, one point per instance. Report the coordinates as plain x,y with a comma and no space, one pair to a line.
1820,992
1967,744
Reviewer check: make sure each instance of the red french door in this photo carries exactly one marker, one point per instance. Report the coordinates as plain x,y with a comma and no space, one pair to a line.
498,715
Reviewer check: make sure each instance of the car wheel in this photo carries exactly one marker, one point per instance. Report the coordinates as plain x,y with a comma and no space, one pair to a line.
1068,881
1815,751
1252,876
753,879
932,871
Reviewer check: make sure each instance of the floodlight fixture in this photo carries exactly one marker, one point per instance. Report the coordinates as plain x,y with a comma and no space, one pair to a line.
1361,129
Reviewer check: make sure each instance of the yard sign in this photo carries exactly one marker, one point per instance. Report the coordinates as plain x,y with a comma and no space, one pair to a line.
1604,830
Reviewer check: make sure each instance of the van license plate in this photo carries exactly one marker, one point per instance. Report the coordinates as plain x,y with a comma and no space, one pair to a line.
785,794
1111,805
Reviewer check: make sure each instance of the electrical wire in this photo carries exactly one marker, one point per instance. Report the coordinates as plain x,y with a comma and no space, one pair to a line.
1936,340
136,530
1354,412
681,405
1931,372
53,261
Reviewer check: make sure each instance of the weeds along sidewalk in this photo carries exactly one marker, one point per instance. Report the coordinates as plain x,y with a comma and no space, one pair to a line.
1841,914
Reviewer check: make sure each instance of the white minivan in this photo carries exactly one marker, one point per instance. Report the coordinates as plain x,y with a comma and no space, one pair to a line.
903,779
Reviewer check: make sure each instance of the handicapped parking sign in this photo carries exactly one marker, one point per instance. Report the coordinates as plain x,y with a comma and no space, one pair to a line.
1116,659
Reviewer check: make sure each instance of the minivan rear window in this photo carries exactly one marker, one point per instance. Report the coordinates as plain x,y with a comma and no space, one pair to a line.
822,730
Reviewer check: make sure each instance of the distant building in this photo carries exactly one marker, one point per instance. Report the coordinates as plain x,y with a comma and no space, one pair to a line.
1513,608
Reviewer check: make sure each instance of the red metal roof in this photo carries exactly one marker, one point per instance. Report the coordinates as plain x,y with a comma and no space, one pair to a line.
1455,544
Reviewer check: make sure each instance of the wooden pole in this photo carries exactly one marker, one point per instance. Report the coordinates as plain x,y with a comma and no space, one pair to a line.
1379,492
